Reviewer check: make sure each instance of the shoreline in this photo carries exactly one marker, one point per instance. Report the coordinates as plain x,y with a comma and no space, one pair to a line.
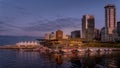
33,47
68,48
16,47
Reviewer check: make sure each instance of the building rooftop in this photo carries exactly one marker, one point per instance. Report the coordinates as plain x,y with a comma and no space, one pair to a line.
109,5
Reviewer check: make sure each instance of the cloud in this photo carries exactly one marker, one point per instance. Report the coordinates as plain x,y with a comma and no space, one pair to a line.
21,19
13,9
3,30
49,25
2,27
1,22
7,26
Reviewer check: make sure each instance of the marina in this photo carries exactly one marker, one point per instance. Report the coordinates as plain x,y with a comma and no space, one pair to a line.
41,48
44,59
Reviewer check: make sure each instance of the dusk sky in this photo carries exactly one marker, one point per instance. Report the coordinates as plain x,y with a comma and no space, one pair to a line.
37,17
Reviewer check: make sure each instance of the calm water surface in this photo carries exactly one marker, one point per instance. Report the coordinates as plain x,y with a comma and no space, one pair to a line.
17,59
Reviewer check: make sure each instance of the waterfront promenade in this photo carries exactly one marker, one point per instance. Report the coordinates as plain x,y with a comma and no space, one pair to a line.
41,48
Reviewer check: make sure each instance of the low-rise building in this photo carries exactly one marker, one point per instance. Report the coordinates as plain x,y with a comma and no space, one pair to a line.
52,36
59,34
75,34
27,43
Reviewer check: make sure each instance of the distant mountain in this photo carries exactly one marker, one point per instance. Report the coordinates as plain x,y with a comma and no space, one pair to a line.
9,40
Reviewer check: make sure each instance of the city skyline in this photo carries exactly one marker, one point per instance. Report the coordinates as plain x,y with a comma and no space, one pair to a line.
35,18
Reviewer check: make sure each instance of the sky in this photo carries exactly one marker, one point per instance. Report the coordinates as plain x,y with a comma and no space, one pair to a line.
37,17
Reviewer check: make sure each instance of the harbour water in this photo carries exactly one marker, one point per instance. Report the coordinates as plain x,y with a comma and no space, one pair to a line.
11,40
20,59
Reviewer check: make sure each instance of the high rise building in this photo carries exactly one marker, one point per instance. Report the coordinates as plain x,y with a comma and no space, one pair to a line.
103,39
118,28
59,34
110,22
88,26
118,32
75,34
97,34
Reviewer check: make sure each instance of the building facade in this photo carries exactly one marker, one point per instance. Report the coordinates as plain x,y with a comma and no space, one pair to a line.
75,34
97,35
88,26
59,34
103,39
118,29
52,36
47,36
110,22
66,36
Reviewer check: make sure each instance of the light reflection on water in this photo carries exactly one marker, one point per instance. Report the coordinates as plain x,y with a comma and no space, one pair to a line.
17,59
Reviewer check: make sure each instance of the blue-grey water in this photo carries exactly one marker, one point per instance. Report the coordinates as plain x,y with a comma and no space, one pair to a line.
10,40
20,59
